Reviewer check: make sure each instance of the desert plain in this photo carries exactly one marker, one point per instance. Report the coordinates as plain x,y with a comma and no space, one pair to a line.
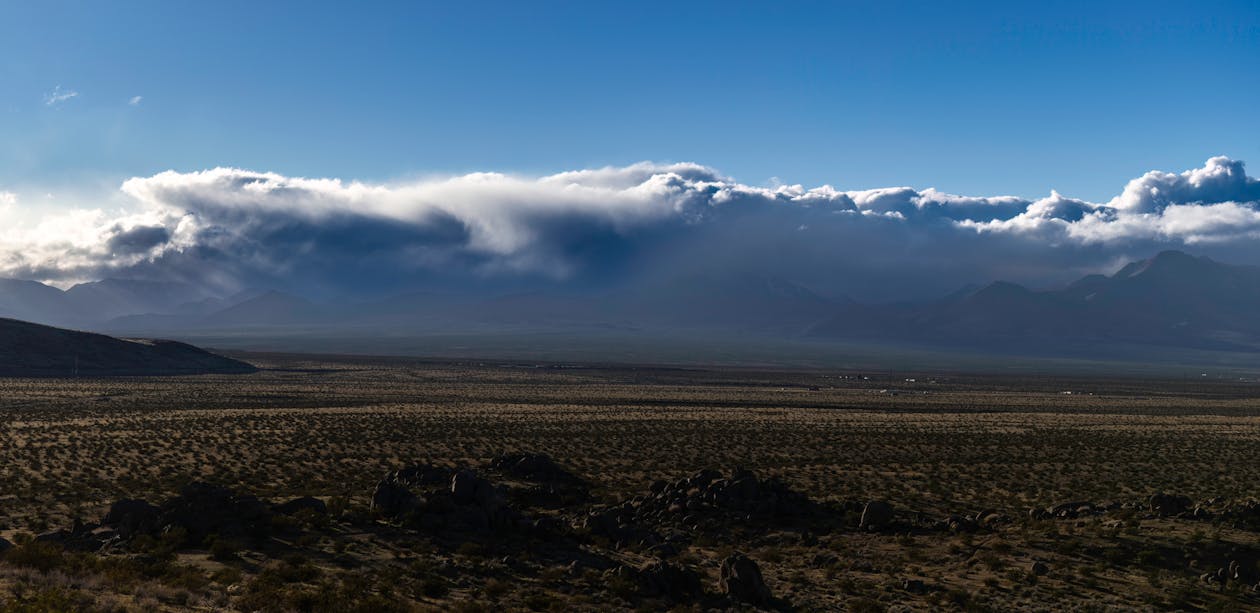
326,483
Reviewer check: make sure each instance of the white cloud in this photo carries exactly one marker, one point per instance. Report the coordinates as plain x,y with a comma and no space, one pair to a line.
135,100
253,227
59,95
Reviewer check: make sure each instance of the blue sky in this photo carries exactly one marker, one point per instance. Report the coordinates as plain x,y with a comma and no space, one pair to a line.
196,142
971,98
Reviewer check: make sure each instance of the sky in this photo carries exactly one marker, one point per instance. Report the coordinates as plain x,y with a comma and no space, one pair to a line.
448,123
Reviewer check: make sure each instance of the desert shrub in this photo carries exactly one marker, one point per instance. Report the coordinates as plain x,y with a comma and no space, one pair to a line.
40,555
47,599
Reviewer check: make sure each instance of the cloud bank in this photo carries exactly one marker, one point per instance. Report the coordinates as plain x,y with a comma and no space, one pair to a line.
230,228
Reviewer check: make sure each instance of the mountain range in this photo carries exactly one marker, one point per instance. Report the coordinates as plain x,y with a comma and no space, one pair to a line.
1172,300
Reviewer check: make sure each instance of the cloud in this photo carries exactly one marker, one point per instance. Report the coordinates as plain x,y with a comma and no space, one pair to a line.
230,227
135,100
58,96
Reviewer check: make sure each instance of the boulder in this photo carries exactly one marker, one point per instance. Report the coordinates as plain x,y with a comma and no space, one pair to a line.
129,517
5,545
392,498
876,515
532,466
740,578
464,485
1038,568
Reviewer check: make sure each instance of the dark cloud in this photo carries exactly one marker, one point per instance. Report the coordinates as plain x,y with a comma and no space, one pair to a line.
139,239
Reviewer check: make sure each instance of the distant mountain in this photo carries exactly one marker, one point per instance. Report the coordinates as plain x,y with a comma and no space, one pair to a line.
90,304
31,300
1171,299
28,349
736,301
272,308
112,298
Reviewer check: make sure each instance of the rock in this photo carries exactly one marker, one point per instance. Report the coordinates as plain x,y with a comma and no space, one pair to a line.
1039,513
914,586
1165,505
202,509
130,517
464,486
1071,510
305,503
876,515
5,545
703,478
1038,568
992,520
532,466
959,523
740,578
392,498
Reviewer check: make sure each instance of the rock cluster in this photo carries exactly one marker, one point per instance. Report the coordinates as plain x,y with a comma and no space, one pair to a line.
550,486
709,495
443,499
203,509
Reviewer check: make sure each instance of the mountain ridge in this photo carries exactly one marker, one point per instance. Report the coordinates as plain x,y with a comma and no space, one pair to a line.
34,350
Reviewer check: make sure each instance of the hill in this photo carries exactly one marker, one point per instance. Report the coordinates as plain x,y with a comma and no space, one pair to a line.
28,349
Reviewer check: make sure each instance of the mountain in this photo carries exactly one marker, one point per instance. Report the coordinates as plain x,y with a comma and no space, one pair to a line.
90,304
111,298
31,300
1172,299
28,349
272,308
